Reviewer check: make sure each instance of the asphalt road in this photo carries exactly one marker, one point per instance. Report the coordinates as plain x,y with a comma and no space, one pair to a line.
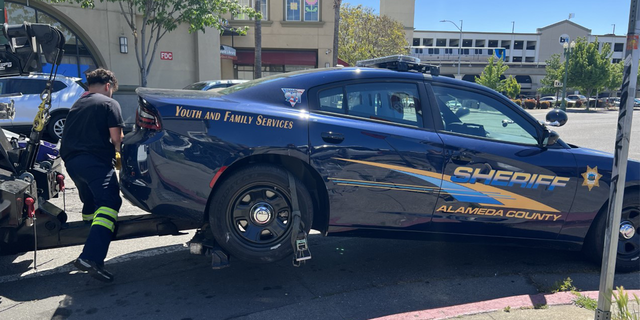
347,278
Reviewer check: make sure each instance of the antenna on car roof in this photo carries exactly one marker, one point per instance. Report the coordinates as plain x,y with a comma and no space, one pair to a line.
400,63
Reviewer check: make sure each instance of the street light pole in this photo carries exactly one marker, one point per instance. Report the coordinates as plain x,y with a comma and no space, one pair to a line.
567,54
459,42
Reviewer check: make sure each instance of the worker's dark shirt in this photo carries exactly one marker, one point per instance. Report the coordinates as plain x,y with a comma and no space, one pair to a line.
86,129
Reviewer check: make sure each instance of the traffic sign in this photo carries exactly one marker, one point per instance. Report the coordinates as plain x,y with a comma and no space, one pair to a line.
557,84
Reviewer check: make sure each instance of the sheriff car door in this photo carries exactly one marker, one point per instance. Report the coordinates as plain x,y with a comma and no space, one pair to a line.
498,179
375,151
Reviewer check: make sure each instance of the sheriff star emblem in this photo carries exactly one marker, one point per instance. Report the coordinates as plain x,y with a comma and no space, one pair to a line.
591,178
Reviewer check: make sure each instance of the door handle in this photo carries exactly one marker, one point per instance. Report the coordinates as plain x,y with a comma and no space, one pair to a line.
460,158
332,137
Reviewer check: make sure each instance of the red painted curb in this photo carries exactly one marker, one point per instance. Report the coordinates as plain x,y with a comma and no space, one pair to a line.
514,302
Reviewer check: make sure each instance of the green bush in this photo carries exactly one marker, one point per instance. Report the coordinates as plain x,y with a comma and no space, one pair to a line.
545,104
529,104
517,101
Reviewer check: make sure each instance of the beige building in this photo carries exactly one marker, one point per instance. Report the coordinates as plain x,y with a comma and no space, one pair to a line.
296,35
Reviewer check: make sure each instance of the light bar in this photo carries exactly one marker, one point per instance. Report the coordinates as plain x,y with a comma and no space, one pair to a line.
388,59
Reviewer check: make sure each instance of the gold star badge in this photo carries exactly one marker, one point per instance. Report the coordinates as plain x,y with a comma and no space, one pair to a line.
591,178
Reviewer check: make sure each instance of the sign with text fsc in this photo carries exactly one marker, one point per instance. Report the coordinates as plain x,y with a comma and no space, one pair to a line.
164,55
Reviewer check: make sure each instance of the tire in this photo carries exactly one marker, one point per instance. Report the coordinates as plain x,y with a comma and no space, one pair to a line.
628,252
55,126
251,213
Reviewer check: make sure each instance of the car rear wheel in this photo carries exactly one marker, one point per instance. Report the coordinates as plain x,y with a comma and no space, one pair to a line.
251,213
628,247
55,125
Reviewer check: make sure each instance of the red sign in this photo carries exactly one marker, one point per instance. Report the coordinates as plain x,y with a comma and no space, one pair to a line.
166,55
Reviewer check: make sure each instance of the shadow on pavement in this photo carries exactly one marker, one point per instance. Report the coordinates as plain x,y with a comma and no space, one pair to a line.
347,278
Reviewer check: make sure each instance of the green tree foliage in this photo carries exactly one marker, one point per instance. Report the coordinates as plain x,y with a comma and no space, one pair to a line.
511,87
588,68
615,76
555,71
366,35
490,76
150,20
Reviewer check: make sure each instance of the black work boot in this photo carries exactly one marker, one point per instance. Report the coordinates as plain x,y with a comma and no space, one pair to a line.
96,271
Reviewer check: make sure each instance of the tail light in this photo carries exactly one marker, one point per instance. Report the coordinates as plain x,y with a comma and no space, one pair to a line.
147,118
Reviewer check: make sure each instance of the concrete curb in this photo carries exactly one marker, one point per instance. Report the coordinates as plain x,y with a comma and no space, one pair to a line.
515,302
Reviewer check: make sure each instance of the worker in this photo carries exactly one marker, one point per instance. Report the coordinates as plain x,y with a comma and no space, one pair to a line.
90,148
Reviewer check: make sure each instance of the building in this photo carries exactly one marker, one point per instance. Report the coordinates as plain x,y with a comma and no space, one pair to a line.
524,53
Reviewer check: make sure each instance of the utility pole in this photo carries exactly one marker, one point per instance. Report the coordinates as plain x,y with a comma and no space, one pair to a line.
619,172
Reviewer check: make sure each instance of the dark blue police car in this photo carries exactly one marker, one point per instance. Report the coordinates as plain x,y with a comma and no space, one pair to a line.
394,151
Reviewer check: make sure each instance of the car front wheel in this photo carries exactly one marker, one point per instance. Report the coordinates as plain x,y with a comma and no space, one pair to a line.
628,246
251,213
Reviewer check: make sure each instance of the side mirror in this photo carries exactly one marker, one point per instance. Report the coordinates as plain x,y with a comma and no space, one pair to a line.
556,118
549,138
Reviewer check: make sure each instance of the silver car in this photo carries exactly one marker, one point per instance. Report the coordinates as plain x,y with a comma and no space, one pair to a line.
25,92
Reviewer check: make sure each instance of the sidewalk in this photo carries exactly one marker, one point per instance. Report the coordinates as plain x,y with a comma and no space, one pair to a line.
554,306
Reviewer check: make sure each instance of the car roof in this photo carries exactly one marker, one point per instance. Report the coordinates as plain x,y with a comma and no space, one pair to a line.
43,76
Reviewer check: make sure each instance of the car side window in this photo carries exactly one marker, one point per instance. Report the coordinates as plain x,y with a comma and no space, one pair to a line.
331,100
394,102
26,86
473,114
57,86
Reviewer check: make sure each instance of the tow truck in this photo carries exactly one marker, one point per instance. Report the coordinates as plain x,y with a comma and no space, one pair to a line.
31,172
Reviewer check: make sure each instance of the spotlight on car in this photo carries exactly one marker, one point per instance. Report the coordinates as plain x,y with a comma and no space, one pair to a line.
556,118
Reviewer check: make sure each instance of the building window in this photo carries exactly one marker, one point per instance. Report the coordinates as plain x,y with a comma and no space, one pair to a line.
427,42
616,60
453,42
441,42
480,43
529,59
311,10
448,51
506,44
517,59
416,42
531,45
493,43
467,43
434,51
618,47
251,3
478,51
518,45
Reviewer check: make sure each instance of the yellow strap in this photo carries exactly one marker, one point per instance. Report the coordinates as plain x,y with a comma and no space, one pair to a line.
39,121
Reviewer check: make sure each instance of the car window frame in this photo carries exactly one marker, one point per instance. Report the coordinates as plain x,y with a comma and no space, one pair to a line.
495,96
423,95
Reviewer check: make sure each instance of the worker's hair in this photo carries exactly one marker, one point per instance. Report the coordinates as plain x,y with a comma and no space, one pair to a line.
102,76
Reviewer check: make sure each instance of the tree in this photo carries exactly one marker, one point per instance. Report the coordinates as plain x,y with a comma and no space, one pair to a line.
365,35
336,31
162,16
588,68
490,76
615,76
257,62
555,71
511,87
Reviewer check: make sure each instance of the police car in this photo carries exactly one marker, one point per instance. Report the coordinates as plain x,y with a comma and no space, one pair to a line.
391,150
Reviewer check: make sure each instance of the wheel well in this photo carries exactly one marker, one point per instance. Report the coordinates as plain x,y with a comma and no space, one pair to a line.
57,112
605,206
300,170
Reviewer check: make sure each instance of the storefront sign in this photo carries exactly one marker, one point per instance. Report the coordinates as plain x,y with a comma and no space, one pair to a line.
166,55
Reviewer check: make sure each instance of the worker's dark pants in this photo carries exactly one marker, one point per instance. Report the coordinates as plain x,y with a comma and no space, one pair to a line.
99,192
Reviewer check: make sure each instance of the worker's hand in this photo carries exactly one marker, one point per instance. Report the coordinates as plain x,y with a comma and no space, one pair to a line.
118,164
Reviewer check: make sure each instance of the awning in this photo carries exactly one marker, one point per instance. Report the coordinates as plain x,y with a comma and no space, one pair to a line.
296,58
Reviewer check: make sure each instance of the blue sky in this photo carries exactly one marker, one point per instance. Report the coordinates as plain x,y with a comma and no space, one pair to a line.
496,16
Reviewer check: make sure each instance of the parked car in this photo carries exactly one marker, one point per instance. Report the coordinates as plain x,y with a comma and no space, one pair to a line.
369,152
25,92
576,97
213,84
551,99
